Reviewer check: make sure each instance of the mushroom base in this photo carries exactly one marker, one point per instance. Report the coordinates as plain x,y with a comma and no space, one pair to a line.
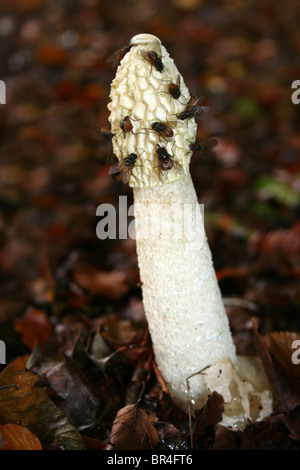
244,388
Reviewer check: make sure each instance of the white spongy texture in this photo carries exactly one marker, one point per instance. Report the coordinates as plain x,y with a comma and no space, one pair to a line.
183,305
182,300
141,92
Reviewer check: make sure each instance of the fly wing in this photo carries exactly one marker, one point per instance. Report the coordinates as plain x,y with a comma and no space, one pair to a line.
211,143
193,101
208,148
116,168
200,110
117,56
145,55
125,176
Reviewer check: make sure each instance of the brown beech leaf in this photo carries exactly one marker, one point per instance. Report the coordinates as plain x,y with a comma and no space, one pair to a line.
209,416
292,422
281,241
110,284
93,444
28,404
225,439
136,384
270,434
123,333
240,271
280,345
132,430
15,437
277,351
51,55
266,358
34,327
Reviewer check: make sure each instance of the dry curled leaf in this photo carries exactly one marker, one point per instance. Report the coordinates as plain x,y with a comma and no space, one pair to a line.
111,284
277,351
209,416
75,395
132,430
51,55
93,444
270,434
15,437
282,350
28,404
34,328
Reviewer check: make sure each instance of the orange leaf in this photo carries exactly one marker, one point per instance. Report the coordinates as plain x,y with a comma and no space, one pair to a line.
51,55
239,271
93,444
22,400
34,327
112,284
15,437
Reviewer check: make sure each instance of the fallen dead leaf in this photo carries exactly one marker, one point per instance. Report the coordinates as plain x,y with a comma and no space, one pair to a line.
34,328
25,402
110,284
15,437
75,395
132,430
209,416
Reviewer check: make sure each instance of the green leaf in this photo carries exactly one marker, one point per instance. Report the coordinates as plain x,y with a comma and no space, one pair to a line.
269,187
248,108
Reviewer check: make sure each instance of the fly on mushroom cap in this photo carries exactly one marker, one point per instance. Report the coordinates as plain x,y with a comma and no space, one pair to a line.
139,90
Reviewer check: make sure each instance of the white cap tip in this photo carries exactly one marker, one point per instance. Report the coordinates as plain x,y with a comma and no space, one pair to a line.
143,38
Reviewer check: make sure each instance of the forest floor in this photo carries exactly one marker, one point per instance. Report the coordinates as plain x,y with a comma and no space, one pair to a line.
78,351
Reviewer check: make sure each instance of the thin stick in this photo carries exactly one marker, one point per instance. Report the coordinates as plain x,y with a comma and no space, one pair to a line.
189,401
230,301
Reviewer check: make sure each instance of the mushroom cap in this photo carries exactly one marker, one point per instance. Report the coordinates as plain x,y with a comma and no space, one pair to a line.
140,91
143,38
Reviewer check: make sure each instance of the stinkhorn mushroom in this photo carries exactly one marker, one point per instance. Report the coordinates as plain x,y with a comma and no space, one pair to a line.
152,118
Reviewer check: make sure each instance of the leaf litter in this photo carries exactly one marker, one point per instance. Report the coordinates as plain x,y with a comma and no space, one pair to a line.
80,370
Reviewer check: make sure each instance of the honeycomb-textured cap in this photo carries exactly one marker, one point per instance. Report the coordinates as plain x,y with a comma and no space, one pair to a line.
140,95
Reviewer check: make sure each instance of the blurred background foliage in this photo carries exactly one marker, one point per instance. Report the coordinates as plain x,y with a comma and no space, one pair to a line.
242,57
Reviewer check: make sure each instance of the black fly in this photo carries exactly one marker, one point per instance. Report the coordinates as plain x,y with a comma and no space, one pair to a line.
165,160
153,58
117,56
199,147
126,125
121,170
193,109
174,88
105,133
164,129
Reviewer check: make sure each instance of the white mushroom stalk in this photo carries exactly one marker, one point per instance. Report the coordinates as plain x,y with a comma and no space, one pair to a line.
152,119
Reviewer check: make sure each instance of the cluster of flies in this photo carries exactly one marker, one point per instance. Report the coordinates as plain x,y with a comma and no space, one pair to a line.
122,169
